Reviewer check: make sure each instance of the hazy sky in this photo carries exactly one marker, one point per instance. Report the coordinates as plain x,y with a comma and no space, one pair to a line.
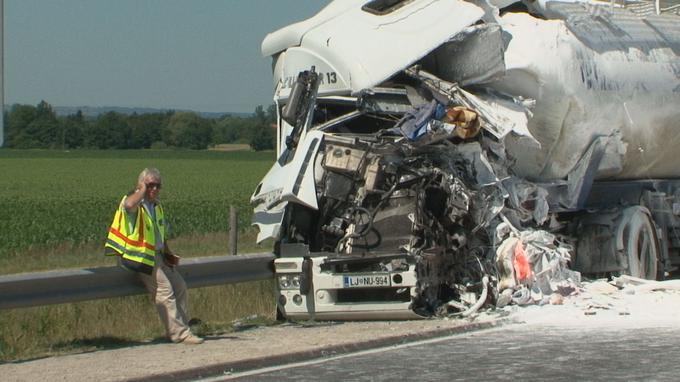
202,55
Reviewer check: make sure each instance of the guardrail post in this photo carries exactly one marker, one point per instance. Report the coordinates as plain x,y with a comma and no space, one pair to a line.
233,230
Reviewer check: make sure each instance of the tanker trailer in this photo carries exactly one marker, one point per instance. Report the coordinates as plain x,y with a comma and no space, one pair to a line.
425,146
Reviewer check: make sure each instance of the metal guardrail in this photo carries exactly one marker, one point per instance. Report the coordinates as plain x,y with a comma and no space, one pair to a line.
673,8
57,287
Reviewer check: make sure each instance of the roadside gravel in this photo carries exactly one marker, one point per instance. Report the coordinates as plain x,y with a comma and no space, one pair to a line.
597,303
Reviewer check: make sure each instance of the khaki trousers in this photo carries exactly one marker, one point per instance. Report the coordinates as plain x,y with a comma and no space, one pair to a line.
169,292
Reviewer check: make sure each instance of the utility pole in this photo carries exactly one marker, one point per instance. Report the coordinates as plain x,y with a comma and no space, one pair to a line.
2,72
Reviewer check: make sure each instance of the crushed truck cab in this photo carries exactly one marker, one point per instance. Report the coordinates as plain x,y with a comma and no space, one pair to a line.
436,157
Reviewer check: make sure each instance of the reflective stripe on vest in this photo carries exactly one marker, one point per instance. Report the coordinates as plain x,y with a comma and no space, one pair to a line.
138,244
130,254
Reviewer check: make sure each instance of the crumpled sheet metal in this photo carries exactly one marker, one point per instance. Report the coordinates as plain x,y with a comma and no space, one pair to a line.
547,257
433,122
528,199
500,115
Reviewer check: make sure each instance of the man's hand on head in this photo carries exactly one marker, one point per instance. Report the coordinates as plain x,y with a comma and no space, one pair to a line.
132,201
141,186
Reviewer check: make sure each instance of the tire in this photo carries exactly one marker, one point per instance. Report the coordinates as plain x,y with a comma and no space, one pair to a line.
640,244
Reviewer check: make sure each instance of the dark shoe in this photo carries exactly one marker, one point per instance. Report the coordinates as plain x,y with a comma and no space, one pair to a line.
194,321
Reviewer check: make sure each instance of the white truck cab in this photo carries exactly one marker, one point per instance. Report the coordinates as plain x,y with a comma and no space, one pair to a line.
415,137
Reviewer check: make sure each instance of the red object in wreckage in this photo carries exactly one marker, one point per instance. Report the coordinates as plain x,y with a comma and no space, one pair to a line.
521,263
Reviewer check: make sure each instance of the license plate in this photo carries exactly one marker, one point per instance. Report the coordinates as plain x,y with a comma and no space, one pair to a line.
366,281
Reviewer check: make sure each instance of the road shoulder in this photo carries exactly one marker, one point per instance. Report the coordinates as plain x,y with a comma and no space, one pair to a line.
238,351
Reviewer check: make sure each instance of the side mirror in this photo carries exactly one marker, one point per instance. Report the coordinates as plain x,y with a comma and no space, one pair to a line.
290,111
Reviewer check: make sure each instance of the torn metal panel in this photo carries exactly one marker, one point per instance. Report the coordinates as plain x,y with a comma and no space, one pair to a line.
528,199
286,182
384,101
503,113
268,221
295,180
473,56
501,116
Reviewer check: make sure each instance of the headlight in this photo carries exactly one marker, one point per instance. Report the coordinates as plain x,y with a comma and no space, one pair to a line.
284,282
289,281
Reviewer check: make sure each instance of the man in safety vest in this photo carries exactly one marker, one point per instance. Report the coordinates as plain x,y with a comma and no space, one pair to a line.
138,236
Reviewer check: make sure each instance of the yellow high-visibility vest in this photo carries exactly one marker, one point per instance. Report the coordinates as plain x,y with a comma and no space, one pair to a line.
138,244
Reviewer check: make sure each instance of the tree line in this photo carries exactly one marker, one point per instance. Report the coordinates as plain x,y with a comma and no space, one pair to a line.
28,126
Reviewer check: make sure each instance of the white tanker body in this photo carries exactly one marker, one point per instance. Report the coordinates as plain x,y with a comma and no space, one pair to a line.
590,76
563,94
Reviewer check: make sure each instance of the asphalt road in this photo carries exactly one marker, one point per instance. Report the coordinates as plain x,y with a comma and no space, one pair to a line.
514,353
601,334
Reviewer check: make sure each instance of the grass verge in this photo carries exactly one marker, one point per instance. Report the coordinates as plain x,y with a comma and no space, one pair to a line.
86,326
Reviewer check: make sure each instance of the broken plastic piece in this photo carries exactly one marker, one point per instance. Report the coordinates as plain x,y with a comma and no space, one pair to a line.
521,263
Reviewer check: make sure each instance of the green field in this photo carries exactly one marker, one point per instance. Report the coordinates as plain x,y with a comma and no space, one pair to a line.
56,208
54,198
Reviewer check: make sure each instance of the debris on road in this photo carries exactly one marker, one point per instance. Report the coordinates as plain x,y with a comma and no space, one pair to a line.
623,297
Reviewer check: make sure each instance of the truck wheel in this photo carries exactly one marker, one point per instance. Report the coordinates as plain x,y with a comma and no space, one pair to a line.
640,246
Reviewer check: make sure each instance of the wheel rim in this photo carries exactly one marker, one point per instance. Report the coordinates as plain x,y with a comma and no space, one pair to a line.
640,248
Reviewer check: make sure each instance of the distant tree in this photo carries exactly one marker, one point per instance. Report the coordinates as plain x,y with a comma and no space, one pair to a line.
221,132
262,134
109,131
138,134
46,126
145,129
165,132
18,119
272,121
73,130
44,110
39,126
188,130
45,133
271,114
260,115
32,127
232,130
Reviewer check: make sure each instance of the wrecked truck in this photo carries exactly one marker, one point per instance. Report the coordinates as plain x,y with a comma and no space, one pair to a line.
439,156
